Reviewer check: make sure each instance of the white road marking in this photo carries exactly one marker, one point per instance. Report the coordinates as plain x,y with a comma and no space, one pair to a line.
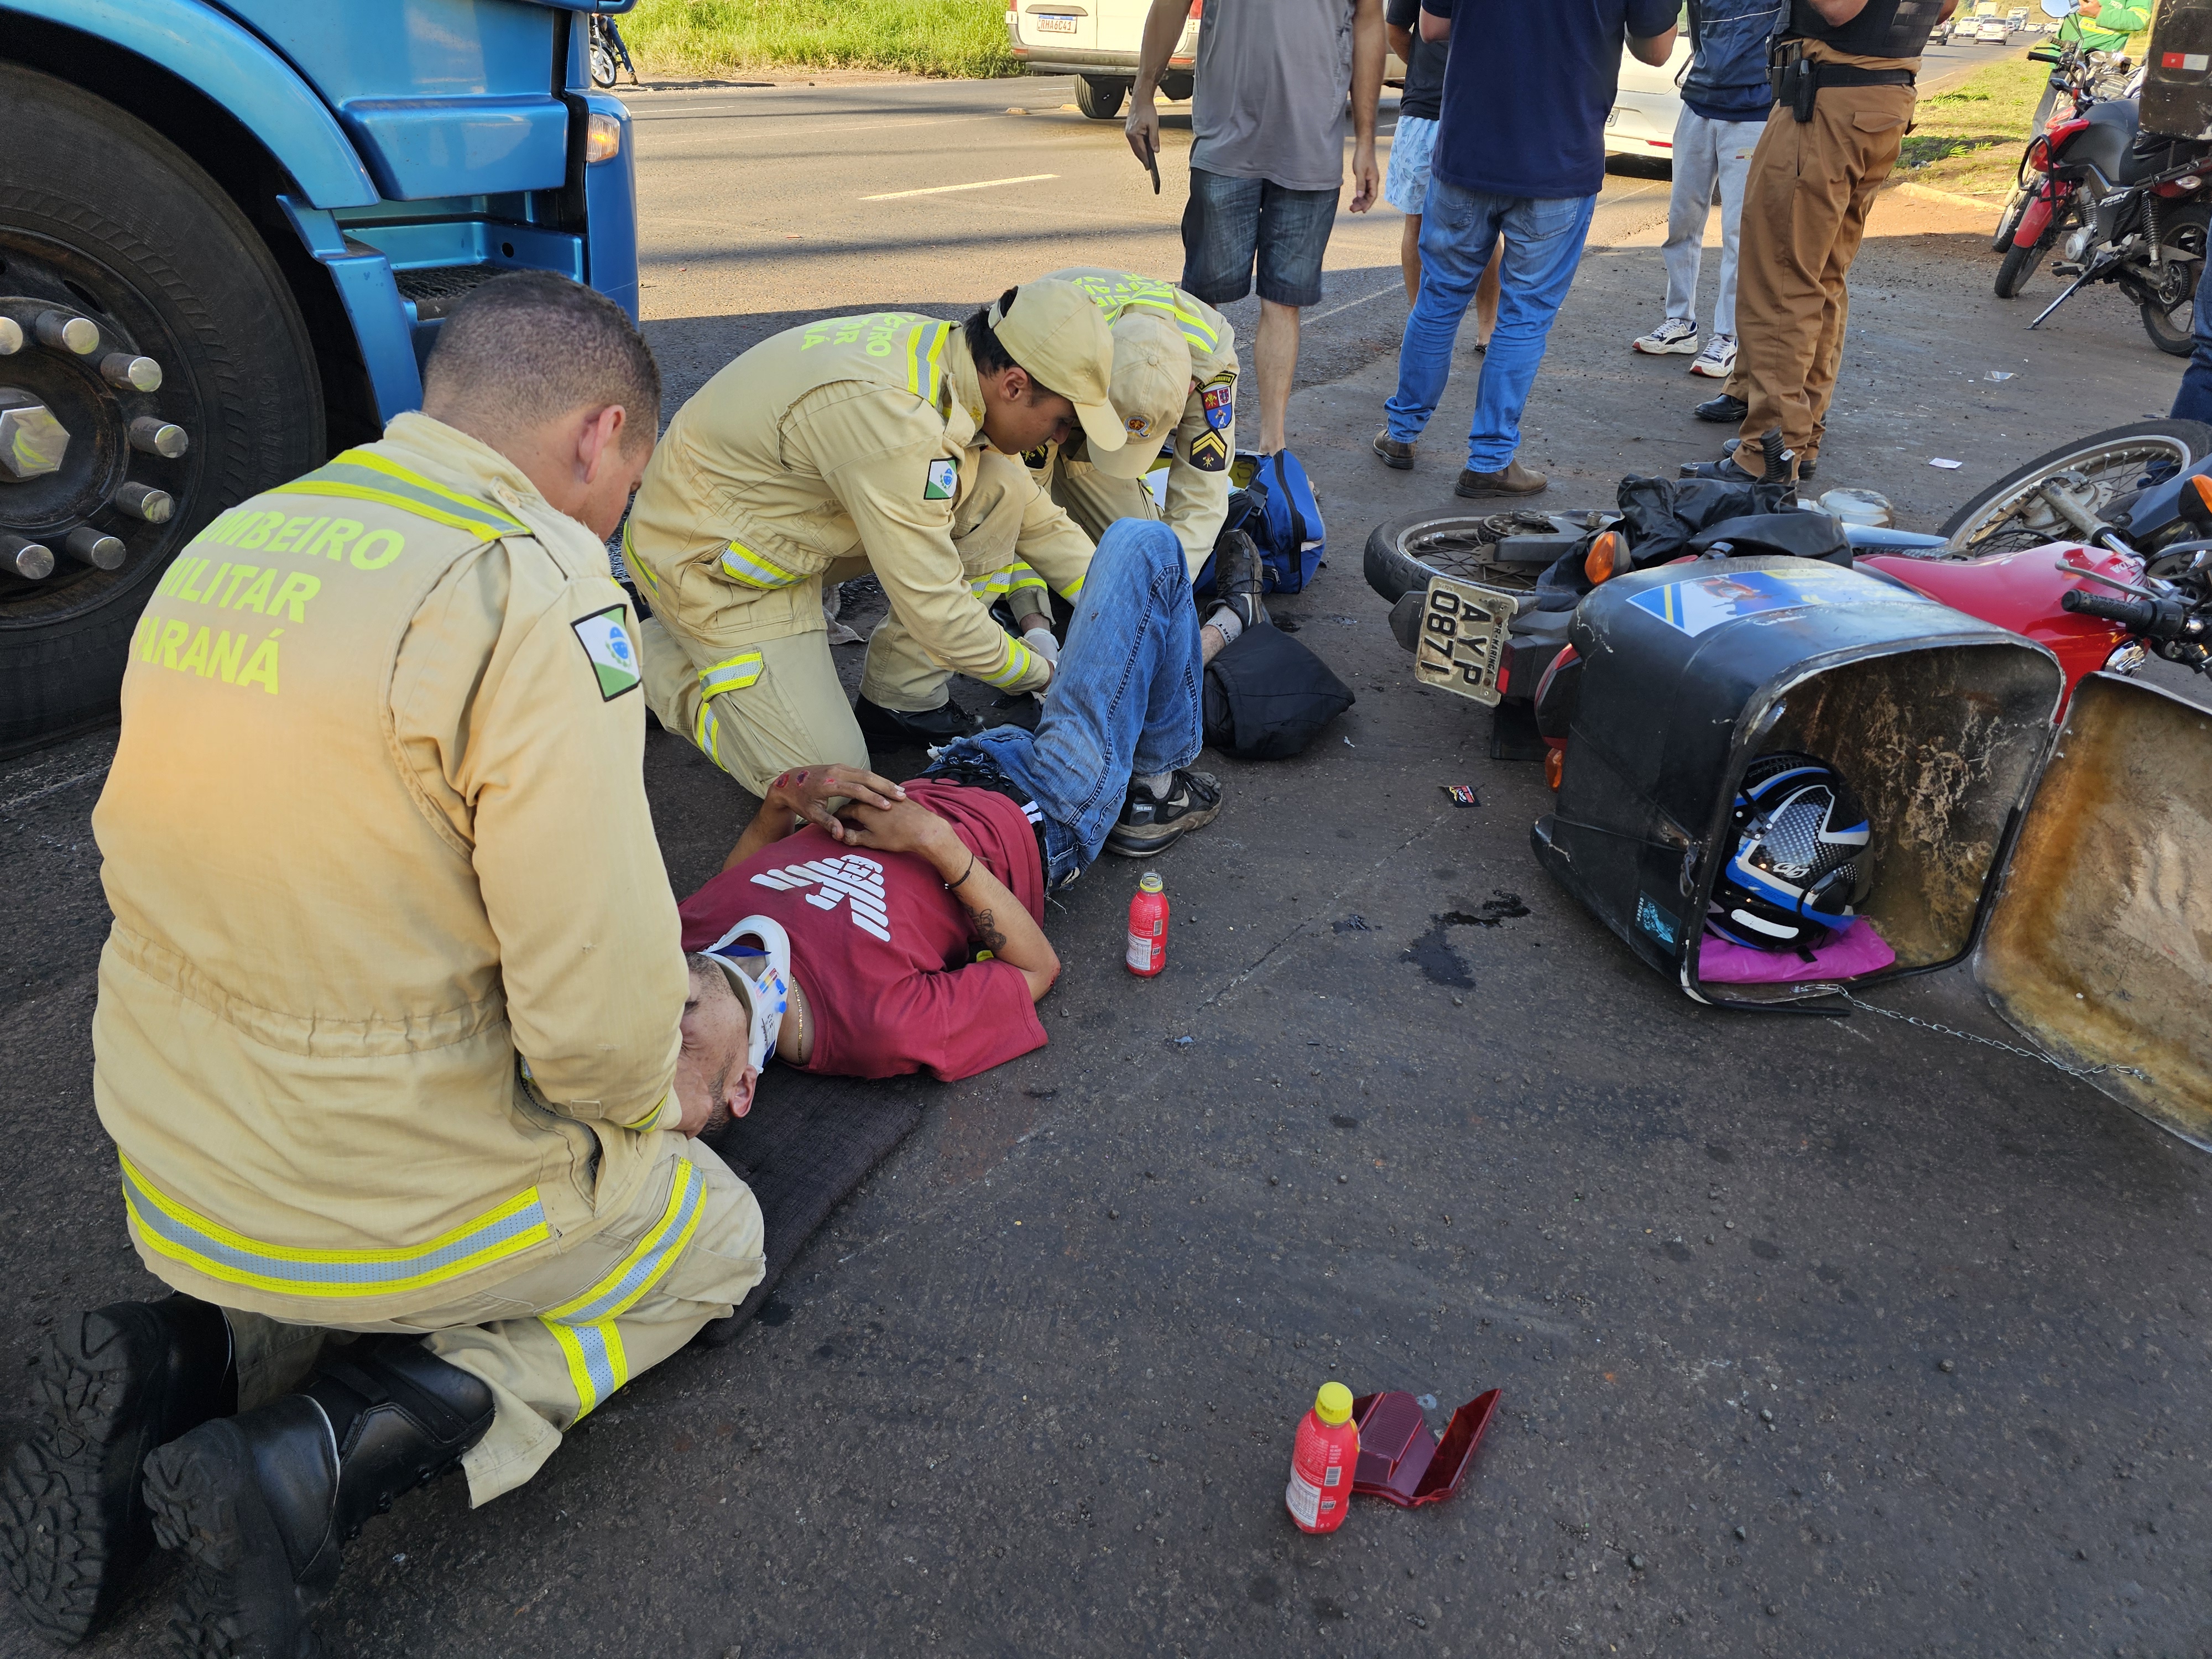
1395,287
946,190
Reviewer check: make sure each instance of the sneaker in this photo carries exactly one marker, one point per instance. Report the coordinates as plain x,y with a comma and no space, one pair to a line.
1393,453
1514,480
1239,577
1723,410
1676,336
1147,824
1717,361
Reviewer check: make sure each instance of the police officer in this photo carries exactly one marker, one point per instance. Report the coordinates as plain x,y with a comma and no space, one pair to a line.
889,442
1174,387
389,1020
1844,72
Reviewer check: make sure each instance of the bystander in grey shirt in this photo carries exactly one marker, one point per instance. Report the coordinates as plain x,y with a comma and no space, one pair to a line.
1272,78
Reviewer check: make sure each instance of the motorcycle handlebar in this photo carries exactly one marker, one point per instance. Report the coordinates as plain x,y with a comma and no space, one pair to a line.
2044,57
2136,616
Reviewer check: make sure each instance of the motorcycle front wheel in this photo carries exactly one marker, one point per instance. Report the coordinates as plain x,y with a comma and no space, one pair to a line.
602,61
2169,306
2021,264
2012,514
1403,554
2015,209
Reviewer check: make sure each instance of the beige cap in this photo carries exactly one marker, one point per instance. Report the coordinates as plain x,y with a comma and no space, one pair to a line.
1152,385
1056,333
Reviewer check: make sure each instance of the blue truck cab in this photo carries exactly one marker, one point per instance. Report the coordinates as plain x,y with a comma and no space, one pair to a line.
229,233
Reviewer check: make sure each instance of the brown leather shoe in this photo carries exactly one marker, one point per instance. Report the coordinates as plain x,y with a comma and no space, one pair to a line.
1393,452
1514,480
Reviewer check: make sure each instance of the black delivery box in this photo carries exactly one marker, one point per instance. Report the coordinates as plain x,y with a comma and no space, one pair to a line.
2177,93
2080,857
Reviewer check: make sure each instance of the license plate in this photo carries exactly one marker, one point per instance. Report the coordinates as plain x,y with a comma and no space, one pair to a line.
1463,644
1612,118
1053,22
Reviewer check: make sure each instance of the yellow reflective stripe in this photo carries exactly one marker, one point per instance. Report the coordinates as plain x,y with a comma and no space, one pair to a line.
479,527
733,675
989,587
209,1248
707,732
648,1120
921,365
1017,663
1072,589
1023,576
598,1365
363,475
743,565
637,567
392,469
625,1285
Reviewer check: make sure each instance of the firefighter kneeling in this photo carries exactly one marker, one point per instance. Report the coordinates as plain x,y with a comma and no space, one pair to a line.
393,1022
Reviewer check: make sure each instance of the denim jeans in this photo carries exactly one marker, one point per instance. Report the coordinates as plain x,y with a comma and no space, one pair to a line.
1127,697
1228,223
1543,246
2193,402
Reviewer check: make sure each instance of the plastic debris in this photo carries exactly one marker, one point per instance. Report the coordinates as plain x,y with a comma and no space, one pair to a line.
1398,1461
1998,375
1463,794
1948,466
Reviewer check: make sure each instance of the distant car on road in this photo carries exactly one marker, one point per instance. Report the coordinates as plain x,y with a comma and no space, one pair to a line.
1096,41
1642,119
1991,32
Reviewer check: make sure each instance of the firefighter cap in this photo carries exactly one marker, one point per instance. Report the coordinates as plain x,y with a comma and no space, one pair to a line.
1151,384
1061,338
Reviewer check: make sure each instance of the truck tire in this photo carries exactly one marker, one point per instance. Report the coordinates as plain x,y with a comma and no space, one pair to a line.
105,220
1100,96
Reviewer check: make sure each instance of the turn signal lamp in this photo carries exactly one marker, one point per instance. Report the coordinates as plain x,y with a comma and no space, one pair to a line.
1555,767
602,137
1603,558
2195,502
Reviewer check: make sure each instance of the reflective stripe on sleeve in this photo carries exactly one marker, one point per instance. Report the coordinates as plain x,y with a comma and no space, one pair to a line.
707,732
650,1118
209,1248
1016,665
734,674
925,350
360,475
742,565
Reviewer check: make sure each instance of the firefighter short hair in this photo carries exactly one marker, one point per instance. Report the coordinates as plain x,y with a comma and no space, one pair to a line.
531,345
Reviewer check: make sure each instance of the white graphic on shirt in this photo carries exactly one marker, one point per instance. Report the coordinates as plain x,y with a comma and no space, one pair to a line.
851,877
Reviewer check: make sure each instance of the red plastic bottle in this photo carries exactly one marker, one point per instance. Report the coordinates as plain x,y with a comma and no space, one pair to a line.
1148,927
1323,1462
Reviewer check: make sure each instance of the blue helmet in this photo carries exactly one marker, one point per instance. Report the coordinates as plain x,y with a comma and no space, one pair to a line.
1795,871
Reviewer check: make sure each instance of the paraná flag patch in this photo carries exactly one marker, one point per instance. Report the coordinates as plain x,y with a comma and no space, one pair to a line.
941,481
607,643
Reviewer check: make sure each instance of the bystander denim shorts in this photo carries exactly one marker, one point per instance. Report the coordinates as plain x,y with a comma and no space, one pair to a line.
1406,185
1230,222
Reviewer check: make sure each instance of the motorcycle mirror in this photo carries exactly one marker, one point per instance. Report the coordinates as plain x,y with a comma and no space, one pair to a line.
2056,7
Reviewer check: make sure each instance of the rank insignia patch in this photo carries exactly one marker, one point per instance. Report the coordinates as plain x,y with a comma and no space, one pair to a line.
941,482
613,657
1220,406
1209,452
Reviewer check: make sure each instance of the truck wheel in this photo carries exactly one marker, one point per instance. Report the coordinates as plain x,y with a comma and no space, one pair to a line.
1099,96
159,372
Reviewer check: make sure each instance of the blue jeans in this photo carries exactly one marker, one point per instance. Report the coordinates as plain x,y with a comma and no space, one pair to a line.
2194,401
1543,246
1127,697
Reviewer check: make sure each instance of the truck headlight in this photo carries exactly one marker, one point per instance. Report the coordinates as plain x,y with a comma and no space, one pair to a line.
602,137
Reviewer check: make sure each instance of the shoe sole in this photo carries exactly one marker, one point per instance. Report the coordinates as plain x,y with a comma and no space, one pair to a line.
1402,463
69,1542
236,1601
1722,373
1138,844
1687,348
1482,492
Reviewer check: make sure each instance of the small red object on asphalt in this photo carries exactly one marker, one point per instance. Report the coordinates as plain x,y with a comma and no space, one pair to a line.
1148,927
1322,1463
1398,1461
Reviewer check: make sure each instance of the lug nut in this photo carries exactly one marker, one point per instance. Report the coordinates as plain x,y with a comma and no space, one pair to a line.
158,437
32,442
144,502
64,332
96,548
26,558
120,368
11,337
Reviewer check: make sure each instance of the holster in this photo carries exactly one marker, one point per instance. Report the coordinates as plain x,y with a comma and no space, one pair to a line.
1795,80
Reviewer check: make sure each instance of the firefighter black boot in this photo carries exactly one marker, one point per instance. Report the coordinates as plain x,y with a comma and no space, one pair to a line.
112,1385
261,1504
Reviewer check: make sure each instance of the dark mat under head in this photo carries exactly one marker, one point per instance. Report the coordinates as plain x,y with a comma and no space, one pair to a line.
807,1144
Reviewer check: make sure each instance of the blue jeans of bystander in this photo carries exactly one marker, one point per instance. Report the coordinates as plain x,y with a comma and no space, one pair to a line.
1543,246
2193,402
1126,697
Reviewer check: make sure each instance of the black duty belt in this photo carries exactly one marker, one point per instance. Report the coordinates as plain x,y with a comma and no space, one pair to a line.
1851,75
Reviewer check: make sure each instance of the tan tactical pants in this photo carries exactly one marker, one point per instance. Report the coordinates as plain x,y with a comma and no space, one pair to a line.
986,529
556,1339
1804,211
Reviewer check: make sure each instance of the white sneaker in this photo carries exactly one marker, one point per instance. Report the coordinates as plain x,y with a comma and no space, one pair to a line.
1717,359
1676,334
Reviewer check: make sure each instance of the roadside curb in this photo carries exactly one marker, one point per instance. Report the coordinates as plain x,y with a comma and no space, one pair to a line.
1942,197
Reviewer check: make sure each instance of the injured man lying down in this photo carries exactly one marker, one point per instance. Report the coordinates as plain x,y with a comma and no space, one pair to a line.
901,931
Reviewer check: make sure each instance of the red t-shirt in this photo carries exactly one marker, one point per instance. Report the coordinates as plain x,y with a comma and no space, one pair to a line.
882,951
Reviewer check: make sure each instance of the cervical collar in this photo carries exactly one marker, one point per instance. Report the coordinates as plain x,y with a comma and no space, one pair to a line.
769,996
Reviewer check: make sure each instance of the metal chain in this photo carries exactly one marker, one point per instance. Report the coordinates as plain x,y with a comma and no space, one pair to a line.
1991,1042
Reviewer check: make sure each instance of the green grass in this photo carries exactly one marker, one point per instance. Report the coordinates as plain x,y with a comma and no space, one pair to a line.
962,37
1969,139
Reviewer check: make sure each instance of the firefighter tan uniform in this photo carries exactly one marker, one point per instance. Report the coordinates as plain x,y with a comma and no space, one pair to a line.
1805,207
1191,406
388,1016
851,444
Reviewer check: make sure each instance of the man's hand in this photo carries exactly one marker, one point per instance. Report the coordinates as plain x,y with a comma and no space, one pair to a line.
1142,126
1164,25
904,826
1366,178
804,792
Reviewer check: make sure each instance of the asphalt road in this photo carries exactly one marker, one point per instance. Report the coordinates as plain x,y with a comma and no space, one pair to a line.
1859,1338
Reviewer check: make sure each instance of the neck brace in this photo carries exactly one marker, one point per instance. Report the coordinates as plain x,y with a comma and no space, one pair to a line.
766,998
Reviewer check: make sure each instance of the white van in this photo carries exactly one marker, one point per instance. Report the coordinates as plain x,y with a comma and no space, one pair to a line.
1642,119
1097,41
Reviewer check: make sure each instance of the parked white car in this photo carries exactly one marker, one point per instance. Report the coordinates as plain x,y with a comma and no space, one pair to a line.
1097,41
1642,119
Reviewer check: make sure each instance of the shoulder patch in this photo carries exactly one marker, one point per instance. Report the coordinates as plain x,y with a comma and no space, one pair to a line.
1209,450
1220,406
607,646
942,480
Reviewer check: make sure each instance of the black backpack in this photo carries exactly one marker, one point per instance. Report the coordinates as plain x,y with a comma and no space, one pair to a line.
1267,696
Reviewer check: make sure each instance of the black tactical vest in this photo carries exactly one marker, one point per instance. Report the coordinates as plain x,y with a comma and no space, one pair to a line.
1886,29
